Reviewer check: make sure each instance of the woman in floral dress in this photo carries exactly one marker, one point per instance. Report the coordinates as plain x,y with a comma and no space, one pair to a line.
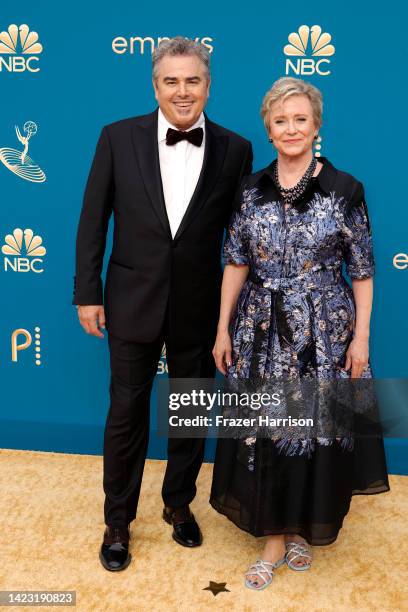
288,313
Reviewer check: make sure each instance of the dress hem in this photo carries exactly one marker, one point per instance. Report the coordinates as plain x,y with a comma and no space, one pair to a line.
298,530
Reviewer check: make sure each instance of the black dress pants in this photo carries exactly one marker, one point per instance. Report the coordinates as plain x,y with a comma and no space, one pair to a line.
133,368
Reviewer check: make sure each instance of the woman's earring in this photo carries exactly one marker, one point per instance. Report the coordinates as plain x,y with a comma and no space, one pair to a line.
270,139
317,145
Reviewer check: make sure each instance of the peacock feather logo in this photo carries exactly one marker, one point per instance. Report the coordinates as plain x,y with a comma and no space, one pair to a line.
319,42
21,240
19,39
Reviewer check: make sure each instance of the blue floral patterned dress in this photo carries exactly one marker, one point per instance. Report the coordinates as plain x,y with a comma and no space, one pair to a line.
295,317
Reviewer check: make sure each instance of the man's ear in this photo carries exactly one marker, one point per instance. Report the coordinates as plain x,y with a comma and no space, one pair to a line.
208,87
154,81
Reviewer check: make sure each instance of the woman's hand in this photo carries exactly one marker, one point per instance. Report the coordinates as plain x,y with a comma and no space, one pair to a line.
222,351
357,356
233,280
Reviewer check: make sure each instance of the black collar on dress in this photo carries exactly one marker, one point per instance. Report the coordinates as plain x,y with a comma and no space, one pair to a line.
325,178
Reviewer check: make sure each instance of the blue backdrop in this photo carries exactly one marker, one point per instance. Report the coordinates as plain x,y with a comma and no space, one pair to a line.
90,66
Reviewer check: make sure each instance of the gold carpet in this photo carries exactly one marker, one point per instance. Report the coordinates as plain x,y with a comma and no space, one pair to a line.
51,527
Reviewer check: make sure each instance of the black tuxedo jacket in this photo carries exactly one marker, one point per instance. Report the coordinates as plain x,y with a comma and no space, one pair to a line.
149,270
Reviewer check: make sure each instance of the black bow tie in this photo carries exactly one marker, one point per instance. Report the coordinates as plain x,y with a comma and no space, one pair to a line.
194,136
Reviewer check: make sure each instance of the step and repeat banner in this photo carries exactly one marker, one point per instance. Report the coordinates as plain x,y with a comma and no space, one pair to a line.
64,76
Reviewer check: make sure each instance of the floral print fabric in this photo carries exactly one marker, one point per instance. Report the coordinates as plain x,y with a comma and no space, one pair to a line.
296,313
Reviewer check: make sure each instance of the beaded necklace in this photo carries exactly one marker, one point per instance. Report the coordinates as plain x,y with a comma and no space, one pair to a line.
291,194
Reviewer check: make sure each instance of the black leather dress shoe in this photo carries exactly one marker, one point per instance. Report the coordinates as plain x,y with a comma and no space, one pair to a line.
185,528
114,553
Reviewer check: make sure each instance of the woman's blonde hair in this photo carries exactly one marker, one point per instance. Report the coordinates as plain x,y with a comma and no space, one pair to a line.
285,87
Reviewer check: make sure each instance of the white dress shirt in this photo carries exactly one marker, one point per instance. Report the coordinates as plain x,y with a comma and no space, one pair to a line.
180,167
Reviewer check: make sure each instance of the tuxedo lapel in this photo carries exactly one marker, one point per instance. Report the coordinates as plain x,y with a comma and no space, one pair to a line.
144,137
214,155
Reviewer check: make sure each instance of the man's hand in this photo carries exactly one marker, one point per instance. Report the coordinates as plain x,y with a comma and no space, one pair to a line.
92,317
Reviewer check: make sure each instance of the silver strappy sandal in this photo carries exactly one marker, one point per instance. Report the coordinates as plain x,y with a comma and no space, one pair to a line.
294,550
259,569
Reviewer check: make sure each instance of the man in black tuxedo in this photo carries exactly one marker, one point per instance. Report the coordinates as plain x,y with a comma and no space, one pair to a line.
169,178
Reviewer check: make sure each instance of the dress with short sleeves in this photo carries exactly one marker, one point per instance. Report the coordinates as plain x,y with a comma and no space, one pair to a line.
295,319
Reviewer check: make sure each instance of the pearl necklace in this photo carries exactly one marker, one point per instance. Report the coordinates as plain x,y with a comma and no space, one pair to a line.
291,194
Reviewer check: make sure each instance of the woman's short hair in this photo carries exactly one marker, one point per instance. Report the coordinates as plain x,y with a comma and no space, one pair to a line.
285,87
181,46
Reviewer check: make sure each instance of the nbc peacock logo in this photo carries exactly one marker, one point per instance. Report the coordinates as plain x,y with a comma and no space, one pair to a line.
309,42
19,49
23,251
19,162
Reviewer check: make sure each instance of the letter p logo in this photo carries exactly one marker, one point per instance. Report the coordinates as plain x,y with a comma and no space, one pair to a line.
15,346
